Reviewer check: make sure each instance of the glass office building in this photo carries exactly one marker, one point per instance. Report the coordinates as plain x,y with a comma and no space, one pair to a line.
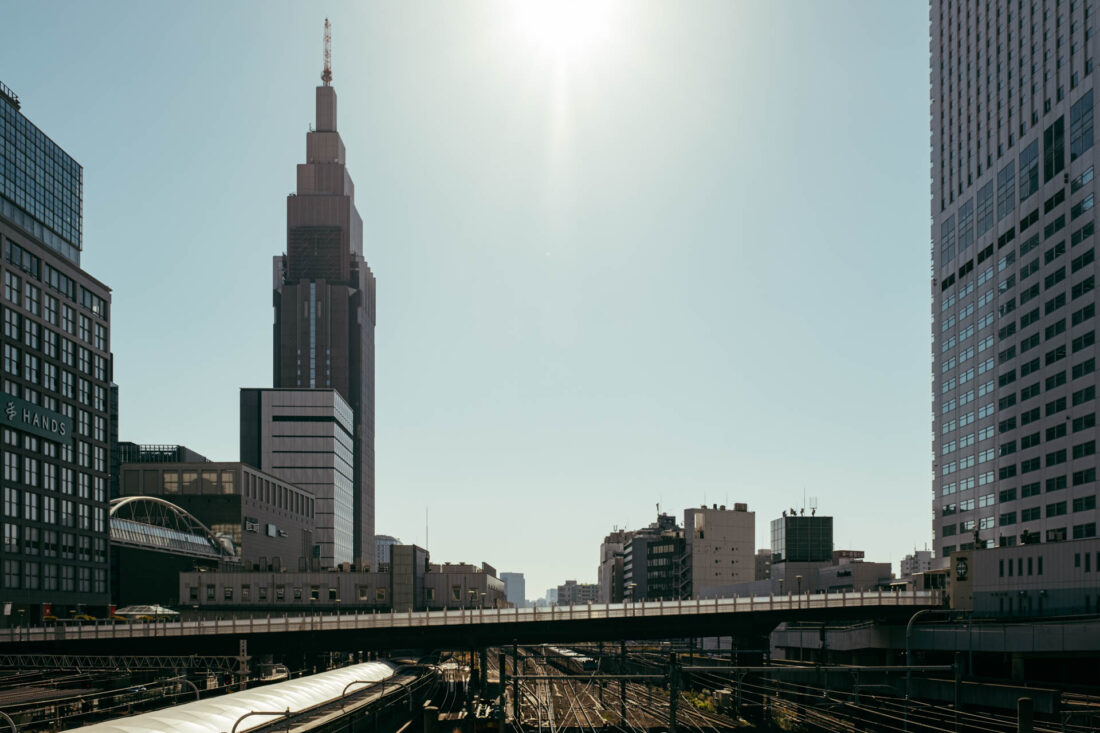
54,385
1013,282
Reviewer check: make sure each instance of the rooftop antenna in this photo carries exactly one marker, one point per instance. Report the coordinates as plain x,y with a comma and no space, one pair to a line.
326,75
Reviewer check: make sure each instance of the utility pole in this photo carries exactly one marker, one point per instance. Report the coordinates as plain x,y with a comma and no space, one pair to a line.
515,683
502,700
673,690
622,682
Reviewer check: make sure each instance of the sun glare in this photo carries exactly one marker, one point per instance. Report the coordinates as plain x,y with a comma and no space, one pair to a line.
566,31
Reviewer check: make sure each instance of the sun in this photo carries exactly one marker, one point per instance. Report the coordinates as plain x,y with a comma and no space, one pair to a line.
565,31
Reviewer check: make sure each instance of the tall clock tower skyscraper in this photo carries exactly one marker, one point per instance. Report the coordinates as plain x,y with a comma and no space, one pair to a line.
324,298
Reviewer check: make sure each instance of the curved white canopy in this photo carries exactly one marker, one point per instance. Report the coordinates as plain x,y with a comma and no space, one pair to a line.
218,714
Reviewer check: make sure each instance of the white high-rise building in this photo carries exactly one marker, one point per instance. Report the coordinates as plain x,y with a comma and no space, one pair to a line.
1013,273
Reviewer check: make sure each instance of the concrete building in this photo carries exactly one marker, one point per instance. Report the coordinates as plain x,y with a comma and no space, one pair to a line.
325,314
763,569
719,546
414,583
1046,579
1013,275
609,574
462,585
919,562
643,581
382,545
268,521
572,593
55,384
305,437
515,587
799,539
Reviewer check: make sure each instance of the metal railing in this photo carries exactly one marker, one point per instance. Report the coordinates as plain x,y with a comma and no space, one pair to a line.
354,621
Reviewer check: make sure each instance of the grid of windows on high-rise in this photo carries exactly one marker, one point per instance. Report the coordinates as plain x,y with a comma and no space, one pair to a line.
54,342
1014,328
40,184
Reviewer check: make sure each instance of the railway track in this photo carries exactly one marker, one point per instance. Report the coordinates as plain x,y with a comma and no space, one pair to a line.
571,704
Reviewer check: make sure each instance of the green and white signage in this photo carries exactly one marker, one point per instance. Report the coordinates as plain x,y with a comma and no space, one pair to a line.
22,415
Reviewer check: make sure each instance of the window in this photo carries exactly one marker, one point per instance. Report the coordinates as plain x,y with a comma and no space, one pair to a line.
1081,207
1084,423
947,239
985,208
1056,509
1080,126
966,226
1086,476
1006,190
1080,316
1054,153
1084,531
1029,170
1028,515
1083,287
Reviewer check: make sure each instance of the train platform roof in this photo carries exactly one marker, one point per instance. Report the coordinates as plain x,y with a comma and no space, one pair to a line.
219,714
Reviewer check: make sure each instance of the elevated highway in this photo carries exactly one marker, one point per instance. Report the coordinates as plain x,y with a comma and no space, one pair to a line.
747,618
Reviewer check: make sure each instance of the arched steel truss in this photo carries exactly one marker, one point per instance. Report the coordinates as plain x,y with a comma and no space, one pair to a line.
152,523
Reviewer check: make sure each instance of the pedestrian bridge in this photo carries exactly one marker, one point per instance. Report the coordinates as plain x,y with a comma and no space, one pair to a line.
472,628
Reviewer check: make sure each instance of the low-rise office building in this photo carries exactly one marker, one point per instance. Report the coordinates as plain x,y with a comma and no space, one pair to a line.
1047,579
609,574
572,593
306,438
719,546
412,584
268,520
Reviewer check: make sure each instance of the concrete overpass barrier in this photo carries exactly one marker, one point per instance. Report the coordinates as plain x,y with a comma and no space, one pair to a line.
269,624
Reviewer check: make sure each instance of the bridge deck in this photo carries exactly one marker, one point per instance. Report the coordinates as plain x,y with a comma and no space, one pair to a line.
281,624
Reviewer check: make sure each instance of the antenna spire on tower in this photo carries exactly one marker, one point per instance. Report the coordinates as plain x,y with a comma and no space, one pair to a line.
326,75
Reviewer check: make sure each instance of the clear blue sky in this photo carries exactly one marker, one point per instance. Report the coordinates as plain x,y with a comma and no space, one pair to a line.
683,259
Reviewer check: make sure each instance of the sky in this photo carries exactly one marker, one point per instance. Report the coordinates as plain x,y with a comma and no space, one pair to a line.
629,255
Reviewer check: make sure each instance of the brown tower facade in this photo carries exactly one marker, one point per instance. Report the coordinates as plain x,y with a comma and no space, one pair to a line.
324,298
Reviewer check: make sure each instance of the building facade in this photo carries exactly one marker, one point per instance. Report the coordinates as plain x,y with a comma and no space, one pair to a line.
515,588
610,573
305,437
763,569
324,298
382,545
919,562
56,375
719,547
268,521
1013,274
1045,579
412,584
802,539
572,593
